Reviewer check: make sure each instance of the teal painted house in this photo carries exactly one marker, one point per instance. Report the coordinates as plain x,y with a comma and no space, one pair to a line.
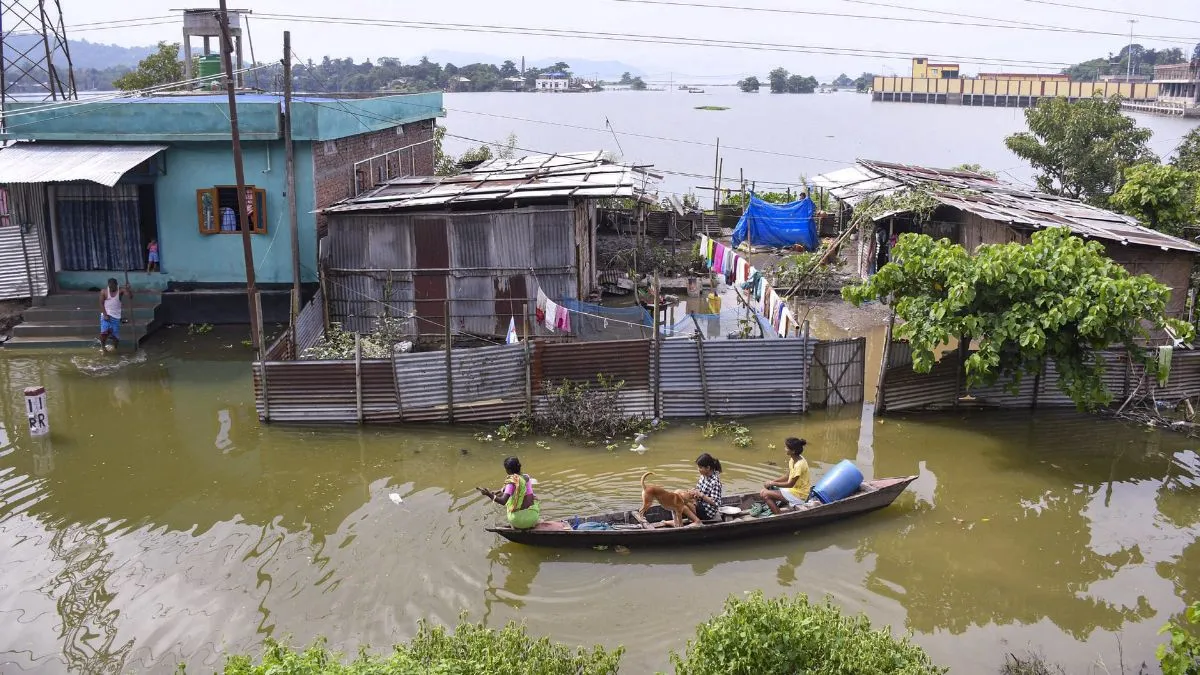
91,185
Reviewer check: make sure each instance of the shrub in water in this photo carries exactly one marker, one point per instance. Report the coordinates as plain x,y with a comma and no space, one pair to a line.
793,635
471,648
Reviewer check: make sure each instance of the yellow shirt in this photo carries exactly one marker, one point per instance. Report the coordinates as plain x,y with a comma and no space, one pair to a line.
798,469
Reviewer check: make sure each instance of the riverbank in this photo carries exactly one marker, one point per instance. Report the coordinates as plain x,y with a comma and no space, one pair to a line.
161,523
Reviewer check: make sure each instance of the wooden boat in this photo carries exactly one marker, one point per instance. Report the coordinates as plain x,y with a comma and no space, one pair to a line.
658,530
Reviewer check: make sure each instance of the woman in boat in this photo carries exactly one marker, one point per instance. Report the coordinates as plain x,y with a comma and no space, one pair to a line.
794,488
523,508
708,490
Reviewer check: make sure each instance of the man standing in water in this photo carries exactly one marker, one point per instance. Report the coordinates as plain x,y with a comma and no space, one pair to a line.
110,314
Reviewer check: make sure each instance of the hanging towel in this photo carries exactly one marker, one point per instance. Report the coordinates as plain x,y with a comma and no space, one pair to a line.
718,258
511,338
552,311
562,319
540,308
727,265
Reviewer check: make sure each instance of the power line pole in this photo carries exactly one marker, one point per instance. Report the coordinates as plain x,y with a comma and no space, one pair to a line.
293,219
1129,54
240,175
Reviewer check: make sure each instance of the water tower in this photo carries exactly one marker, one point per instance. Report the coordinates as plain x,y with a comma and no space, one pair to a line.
203,23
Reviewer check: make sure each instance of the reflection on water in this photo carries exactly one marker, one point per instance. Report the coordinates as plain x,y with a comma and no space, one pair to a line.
161,523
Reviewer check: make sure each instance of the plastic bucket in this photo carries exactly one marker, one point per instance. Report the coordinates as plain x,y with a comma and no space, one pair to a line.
839,482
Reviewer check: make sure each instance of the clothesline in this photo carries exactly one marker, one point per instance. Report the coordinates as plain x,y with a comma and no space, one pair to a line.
760,296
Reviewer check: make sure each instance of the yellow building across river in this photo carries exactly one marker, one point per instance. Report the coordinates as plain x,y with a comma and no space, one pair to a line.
941,83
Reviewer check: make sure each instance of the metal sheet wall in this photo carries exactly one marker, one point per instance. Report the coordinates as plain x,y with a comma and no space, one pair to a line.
369,262
627,360
26,210
838,372
310,324
759,377
907,390
489,383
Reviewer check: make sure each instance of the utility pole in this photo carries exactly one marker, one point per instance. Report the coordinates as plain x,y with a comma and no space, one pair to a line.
293,219
240,175
1129,54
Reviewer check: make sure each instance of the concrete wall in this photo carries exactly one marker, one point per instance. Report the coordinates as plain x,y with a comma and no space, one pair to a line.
189,257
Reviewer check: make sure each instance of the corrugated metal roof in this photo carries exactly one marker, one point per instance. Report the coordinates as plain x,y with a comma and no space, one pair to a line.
63,162
528,178
995,200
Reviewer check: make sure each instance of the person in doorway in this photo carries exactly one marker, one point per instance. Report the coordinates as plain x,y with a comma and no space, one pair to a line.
708,490
522,506
110,314
794,488
152,256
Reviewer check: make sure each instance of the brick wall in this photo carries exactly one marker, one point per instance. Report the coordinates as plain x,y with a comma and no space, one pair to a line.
333,161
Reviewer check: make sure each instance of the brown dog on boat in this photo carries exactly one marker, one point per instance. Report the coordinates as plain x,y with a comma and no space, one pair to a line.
678,502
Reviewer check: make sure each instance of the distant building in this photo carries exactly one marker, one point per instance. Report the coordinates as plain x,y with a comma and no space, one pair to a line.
1178,83
921,68
943,83
552,82
513,84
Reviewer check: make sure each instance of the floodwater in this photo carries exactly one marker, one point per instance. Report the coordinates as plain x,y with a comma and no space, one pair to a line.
774,139
161,523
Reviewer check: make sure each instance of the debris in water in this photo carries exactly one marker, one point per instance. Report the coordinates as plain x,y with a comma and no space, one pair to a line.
638,449
396,499
640,439
621,550
600,548
464,451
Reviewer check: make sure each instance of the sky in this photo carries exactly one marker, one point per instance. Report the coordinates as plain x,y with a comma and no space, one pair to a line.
1028,50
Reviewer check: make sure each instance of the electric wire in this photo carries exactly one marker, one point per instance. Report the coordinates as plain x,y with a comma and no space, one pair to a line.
842,15
646,38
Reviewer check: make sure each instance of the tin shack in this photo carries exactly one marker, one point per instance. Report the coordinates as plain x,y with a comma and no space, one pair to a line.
976,208
473,248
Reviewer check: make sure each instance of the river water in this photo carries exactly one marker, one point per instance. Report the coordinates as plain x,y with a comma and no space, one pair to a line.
773,138
161,523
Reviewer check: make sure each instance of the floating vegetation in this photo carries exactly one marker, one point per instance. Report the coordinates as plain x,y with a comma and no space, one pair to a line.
712,107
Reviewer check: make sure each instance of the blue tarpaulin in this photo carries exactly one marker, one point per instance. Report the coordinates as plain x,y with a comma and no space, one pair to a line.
778,225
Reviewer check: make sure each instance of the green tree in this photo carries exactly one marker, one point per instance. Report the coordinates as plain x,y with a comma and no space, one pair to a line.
843,80
1187,154
797,84
1160,195
779,80
626,78
509,69
162,67
637,84
1057,298
864,82
1081,148
974,168
560,67
750,84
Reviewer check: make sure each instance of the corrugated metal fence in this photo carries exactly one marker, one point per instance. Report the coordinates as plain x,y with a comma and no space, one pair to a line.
942,387
22,262
838,372
490,384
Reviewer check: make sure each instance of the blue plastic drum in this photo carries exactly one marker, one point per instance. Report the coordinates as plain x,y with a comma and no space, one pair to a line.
839,482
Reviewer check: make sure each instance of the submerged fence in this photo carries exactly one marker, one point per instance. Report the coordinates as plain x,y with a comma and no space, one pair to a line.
944,386
671,378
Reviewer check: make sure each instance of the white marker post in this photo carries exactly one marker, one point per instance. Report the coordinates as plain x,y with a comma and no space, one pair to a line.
35,409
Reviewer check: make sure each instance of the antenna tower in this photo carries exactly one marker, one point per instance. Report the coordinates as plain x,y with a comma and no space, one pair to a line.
35,61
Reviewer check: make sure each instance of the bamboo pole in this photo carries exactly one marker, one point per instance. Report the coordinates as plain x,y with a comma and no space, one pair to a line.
883,363
449,366
358,393
528,360
703,374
